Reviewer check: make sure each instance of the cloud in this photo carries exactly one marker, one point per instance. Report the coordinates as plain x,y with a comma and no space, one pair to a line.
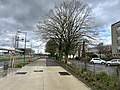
107,11
24,14
21,15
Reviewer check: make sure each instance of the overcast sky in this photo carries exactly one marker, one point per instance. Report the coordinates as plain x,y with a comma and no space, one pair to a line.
23,15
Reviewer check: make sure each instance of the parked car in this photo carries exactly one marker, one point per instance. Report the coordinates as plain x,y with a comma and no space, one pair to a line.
113,62
97,61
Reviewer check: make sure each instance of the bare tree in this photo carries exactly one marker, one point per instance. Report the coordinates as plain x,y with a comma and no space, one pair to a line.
66,24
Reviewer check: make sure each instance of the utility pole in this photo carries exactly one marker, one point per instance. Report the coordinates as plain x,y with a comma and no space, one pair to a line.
25,33
25,47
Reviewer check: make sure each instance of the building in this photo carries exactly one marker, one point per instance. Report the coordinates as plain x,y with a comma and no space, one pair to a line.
93,50
6,52
103,51
27,51
115,31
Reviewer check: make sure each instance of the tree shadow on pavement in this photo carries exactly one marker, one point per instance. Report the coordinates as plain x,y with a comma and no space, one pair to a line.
50,62
43,62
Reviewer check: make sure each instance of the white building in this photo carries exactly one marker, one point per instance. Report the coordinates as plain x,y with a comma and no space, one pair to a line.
115,31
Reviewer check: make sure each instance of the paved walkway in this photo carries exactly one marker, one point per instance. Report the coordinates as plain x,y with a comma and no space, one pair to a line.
46,77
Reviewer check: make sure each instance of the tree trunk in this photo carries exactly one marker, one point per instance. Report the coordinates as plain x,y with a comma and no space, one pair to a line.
79,48
66,58
83,54
118,72
83,50
73,56
60,51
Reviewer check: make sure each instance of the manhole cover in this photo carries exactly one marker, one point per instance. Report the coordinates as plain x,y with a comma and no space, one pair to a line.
64,73
21,72
38,70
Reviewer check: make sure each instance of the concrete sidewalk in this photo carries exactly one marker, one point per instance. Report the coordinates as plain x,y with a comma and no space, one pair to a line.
46,77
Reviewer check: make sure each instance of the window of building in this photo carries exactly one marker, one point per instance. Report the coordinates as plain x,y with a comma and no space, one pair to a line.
118,31
118,42
118,28
118,51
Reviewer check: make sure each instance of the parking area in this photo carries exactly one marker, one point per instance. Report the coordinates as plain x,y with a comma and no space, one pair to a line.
110,70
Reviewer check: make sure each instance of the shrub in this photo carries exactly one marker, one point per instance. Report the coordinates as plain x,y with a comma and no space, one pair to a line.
20,65
107,81
77,58
99,81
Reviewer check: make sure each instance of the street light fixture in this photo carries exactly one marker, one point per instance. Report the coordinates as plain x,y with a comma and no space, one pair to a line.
24,44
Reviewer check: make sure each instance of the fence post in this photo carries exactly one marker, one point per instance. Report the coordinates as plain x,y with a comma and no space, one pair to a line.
118,73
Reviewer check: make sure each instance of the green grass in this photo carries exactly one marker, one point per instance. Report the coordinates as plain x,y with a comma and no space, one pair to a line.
4,59
7,59
20,65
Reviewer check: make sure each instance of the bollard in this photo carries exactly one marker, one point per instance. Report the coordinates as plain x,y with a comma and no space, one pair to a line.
5,66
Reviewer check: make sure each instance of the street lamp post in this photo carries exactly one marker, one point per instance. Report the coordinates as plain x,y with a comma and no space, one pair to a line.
25,47
24,44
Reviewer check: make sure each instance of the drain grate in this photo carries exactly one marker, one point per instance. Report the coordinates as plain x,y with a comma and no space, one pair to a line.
38,70
21,72
64,73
